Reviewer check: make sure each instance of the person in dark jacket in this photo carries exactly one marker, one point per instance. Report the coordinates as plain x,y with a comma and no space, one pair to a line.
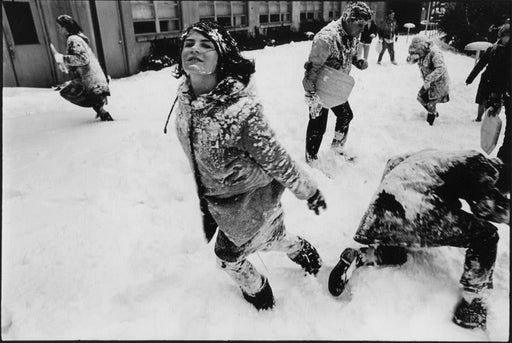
240,168
388,35
334,46
365,40
494,79
417,206
89,85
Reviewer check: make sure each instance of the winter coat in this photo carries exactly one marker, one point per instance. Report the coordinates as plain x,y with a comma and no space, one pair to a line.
237,156
332,47
419,194
369,29
496,77
84,67
388,30
433,71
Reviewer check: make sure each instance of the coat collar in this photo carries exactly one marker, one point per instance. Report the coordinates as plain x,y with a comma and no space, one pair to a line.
226,90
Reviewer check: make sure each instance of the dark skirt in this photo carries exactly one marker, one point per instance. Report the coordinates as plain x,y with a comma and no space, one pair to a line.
76,93
482,94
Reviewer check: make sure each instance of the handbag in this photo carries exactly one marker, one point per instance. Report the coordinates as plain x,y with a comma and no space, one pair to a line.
333,86
378,46
490,131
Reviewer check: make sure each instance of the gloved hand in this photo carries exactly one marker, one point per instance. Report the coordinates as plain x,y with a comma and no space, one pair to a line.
468,81
59,58
316,202
313,101
362,64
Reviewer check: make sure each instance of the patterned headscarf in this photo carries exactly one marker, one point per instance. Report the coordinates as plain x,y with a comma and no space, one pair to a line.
356,11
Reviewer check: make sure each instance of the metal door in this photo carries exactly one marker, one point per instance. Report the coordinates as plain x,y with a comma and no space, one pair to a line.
26,44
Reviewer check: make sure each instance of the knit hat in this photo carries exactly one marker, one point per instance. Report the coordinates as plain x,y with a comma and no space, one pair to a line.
419,44
356,11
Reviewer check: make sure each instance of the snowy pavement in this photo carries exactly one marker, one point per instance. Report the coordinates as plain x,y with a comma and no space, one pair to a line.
101,235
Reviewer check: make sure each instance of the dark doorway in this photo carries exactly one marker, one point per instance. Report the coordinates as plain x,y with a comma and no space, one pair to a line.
406,12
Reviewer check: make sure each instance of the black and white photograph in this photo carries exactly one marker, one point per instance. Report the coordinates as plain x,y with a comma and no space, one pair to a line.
256,170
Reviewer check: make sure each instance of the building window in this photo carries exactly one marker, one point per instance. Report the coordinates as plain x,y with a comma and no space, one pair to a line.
21,22
226,13
310,10
272,12
333,9
155,16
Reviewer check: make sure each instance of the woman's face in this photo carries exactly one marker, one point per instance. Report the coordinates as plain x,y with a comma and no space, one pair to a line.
199,55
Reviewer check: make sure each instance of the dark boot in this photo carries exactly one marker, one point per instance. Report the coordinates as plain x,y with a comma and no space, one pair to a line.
430,118
105,116
262,300
471,315
308,258
350,259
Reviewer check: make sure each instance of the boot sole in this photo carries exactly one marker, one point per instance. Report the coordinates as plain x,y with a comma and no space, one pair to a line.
467,325
340,276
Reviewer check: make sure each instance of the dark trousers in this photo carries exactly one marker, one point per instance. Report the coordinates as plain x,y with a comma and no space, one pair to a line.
390,47
316,127
505,149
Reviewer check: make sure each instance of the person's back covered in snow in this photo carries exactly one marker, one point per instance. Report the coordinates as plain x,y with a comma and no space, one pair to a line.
241,169
417,205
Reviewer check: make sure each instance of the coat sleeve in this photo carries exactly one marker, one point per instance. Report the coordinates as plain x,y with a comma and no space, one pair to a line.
259,141
439,68
77,53
317,57
480,64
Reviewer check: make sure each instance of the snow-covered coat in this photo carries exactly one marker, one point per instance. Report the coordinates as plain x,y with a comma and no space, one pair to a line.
419,194
332,47
434,72
84,67
237,156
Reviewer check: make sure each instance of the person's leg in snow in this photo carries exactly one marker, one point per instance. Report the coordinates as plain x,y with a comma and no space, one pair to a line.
254,286
344,116
101,112
314,134
429,105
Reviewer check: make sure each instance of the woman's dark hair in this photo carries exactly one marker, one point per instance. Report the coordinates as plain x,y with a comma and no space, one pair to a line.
231,63
69,24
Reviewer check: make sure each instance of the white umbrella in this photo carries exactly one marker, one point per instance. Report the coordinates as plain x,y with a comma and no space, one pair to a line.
477,46
409,26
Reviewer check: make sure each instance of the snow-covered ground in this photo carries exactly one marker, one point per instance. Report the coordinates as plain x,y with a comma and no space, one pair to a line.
102,239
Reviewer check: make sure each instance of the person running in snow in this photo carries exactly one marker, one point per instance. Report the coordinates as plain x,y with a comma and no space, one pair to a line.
435,87
240,168
334,46
388,35
494,79
417,206
89,85
365,40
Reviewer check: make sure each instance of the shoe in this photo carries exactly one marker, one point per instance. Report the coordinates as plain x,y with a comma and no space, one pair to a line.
470,315
105,116
308,258
264,299
310,159
350,259
393,62
430,118
378,62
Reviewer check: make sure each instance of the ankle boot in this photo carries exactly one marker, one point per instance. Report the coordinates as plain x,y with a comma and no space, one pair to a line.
263,299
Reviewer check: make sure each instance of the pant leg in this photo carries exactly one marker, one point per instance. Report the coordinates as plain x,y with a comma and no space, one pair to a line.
315,132
384,47
366,48
344,116
391,49
360,49
243,274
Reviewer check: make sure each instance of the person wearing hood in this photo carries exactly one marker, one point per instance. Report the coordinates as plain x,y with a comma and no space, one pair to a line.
433,70
240,168
334,46
417,206
89,85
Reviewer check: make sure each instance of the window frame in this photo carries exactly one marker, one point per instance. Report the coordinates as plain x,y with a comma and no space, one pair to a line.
156,20
281,14
232,16
317,14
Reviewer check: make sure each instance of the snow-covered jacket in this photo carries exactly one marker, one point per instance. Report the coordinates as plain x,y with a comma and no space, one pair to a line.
419,194
333,47
84,66
433,71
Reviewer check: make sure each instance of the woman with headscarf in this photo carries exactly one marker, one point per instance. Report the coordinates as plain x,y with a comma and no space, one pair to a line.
435,87
240,168
89,85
